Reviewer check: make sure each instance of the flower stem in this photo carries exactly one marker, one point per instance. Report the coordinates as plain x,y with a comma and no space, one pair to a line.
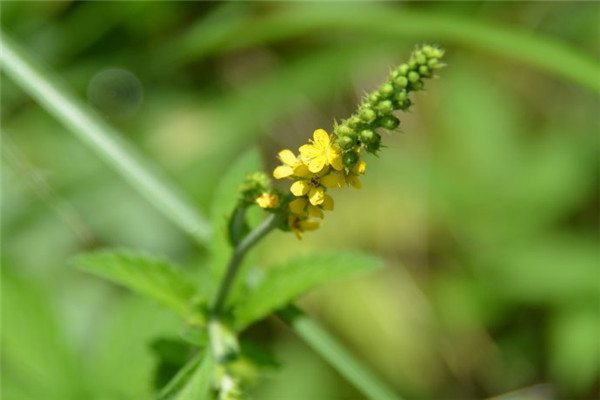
237,257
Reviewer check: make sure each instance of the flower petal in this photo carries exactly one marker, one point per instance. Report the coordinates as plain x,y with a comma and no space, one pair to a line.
316,196
315,212
354,181
327,203
301,170
360,167
287,157
298,205
310,224
316,164
282,171
309,151
335,159
321,138
333,180
300,188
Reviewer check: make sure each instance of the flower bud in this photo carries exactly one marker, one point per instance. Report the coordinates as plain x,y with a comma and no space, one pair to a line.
401,81
386,90
389,122
404,105
353,122
403,69
343,130
367,135
401,96
374,145
423,70
417,85
420,58
346,142
350,158
385,107
432,63
413,77
367,115
374,97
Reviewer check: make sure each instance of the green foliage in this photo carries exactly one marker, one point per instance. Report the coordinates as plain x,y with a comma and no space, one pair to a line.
199,384
284,283
148,276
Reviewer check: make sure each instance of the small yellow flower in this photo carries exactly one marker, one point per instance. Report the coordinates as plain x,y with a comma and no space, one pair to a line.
291,165
301,206
299,224
314,185
352,177
321,153
267,200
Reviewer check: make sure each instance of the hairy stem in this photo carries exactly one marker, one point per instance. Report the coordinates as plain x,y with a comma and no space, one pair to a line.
237,257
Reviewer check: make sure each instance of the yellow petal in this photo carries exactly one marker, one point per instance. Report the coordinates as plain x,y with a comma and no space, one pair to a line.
301,170
283,171
310,224
287,157
333,180
327,203
300,188
297,206
321,138
316,164
335,160
267,200
316,196
308,152
354,181
315,212
360,167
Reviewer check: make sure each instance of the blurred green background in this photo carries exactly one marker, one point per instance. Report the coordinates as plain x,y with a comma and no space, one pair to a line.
485,206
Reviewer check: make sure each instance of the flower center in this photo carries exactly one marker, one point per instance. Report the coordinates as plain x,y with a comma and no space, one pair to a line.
314,181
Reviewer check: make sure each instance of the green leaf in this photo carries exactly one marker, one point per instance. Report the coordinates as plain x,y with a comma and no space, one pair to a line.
198,387
145,275
283,283
224,202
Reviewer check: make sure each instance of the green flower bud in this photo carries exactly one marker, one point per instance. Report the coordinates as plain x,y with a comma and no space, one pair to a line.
386,90
343,130
389,122
367,115
432,63
413,77
404,105
401,96
401,81
367,135
385,107
423,70
412,64
346,142
353,122
420,58
394,74
417,85
403,69
374,145
350,158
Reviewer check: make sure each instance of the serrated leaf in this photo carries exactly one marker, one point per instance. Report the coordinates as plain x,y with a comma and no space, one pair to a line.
224,202
284,283
145,275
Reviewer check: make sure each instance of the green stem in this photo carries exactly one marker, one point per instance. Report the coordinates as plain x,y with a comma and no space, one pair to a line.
237,257
330,349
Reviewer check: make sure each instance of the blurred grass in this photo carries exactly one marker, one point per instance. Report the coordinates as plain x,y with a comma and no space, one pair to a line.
486,207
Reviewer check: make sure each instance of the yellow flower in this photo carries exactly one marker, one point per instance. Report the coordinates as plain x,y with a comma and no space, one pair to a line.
267,200
321,153
352,177
302,207
291,165
314,185
299,224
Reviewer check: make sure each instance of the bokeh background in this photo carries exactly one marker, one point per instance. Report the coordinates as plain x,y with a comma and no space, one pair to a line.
484,206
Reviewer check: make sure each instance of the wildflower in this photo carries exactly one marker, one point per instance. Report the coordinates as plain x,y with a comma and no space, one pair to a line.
300,224
314,185
301,206
267,200
291,165
321,152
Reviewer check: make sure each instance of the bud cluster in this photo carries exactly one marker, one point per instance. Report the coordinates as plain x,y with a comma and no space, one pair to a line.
360,130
